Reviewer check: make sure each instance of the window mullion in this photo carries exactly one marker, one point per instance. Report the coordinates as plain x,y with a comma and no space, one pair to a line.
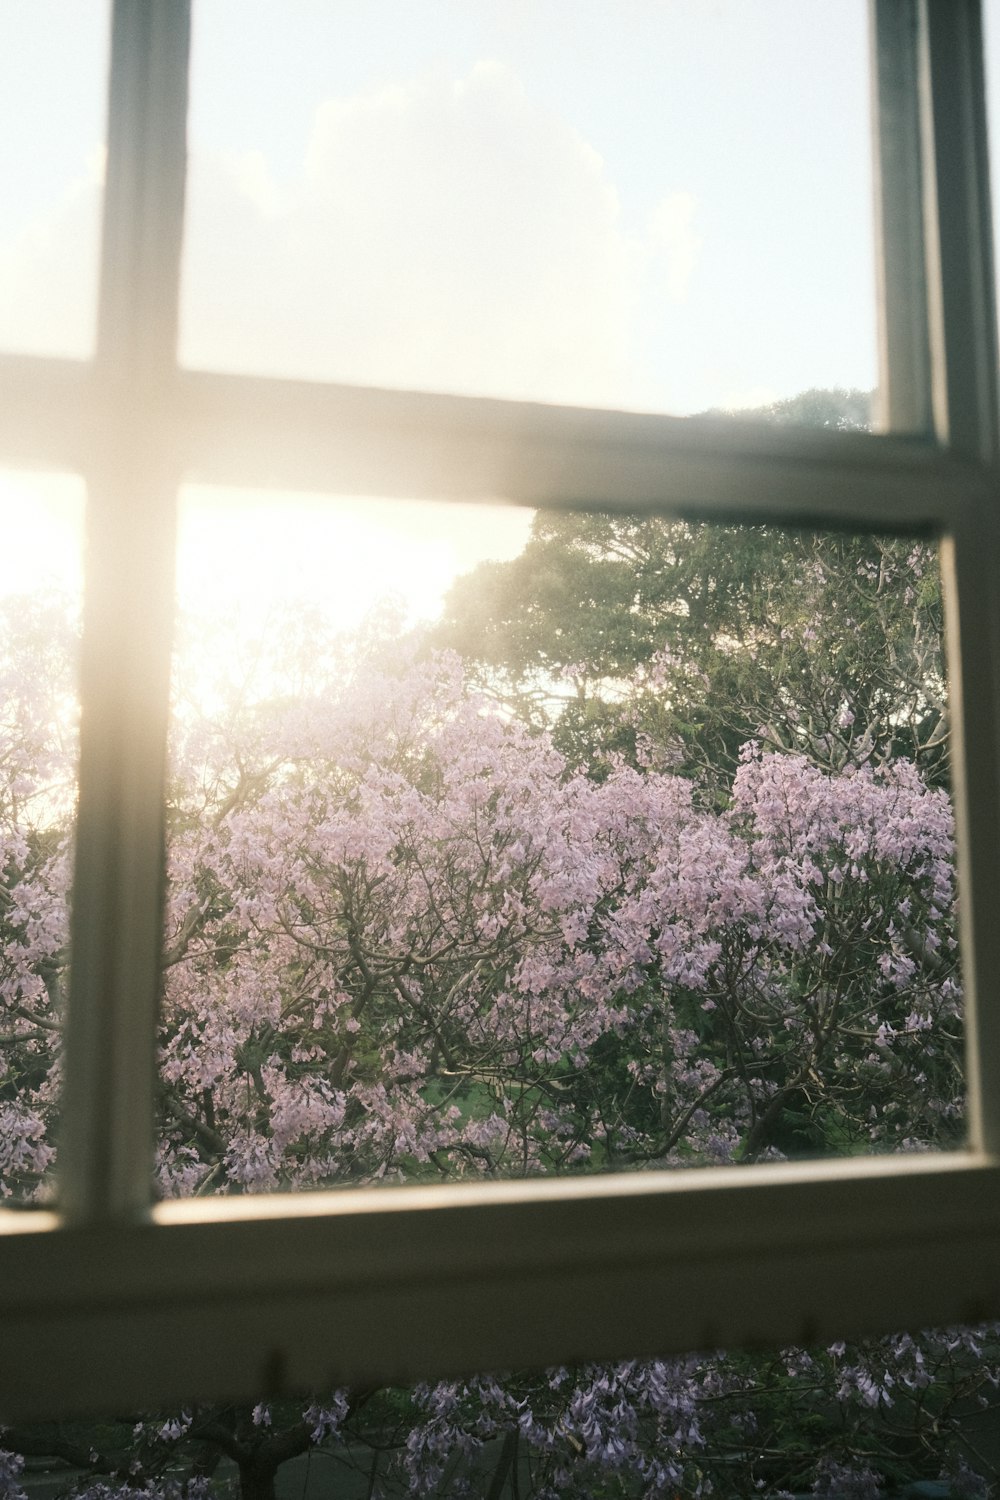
106,1146
964,397
904,394
957,227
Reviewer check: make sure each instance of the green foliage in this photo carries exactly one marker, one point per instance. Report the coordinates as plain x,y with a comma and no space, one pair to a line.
636,636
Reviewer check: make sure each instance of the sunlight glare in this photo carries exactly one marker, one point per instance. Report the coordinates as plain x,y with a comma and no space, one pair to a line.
243,554
43,533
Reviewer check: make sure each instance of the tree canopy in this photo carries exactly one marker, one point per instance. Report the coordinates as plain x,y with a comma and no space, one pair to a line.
623,633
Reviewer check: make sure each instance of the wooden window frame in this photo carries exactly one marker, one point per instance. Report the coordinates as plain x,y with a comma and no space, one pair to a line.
113,1302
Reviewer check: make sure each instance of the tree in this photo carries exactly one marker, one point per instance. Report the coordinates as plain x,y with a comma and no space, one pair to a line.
37,755
625,632
418,943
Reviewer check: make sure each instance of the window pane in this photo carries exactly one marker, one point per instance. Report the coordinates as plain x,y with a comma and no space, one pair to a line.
40,599
504,846
53,85
664,207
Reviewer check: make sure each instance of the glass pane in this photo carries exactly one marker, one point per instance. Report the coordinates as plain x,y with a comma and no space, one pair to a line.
912,1416
505,845
40,603
663,207
53,87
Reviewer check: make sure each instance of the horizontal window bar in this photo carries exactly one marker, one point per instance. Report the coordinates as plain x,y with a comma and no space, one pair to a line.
236,430
242,1296
351,440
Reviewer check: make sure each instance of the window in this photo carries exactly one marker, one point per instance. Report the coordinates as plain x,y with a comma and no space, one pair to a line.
234,1296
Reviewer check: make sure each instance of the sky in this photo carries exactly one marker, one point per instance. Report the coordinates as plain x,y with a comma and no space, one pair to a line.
658,204
650,204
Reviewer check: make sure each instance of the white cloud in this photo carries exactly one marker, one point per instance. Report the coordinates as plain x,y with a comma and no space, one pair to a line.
444,233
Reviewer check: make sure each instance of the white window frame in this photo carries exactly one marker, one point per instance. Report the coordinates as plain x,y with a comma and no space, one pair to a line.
113,1302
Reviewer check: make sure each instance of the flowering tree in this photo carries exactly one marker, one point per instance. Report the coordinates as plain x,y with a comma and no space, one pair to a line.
37,760
409,939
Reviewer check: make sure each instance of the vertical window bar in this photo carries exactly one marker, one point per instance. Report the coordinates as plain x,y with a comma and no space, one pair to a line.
904,394
957,227
969,574
105,1153
144,195
964,396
